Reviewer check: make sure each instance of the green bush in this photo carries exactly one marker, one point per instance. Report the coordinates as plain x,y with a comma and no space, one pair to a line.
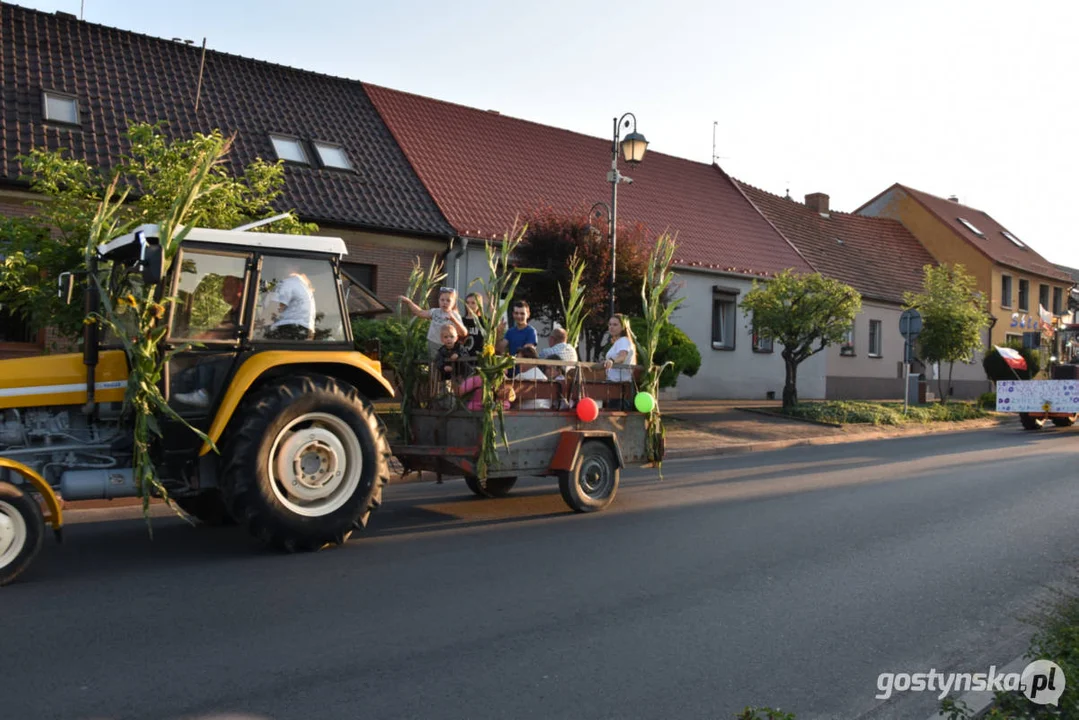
845,412
997,369
676,347
389,332
987,401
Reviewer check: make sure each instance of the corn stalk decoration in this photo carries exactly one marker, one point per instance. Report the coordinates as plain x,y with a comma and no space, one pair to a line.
656,315
574,310
412,367
499,286
134,312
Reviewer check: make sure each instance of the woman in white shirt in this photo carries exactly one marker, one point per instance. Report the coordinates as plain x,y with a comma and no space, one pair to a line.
623,350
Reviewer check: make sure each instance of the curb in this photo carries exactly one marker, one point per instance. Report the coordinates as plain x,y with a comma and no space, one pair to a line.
979,701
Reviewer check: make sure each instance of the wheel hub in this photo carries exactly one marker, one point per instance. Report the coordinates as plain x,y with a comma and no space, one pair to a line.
594,476
310,464
12,533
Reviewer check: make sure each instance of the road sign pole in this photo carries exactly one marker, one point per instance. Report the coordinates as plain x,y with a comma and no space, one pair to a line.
906,375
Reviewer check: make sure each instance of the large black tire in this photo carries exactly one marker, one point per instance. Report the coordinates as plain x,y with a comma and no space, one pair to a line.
492,487
208,507
592,483
1065,421
306,463
22,529
1030,422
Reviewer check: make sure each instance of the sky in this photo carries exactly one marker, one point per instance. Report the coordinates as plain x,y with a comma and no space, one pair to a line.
976,99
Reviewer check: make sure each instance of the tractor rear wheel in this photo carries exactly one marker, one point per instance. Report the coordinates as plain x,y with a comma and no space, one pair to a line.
1030,422
22,529
1065,421
492,487
306,463
208,507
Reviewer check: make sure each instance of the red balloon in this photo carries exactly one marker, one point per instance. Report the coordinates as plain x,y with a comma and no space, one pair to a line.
587,410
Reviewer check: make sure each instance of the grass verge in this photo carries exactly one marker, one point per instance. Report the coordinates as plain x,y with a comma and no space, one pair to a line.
845,412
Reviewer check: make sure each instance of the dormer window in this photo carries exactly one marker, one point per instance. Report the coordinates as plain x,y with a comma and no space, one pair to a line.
332,156
289,149
1013,238
60,108
970,226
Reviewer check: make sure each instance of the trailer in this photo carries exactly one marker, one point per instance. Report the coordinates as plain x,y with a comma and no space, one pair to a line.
1040,401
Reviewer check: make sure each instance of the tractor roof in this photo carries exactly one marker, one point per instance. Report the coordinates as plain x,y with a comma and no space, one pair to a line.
315,244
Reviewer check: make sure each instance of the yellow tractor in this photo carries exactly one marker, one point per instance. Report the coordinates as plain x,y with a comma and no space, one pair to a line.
264,363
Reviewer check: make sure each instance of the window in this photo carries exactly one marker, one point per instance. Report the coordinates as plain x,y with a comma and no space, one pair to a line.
1024,295
210,294
289,149
366,275
1006,291
61,108
847,346
875,340
1043,296
1010,338
970,226
297,300
1013,238
723,321
1058,301
332,156
761,344
15,329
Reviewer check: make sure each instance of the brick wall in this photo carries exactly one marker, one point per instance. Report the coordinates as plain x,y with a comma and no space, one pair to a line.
392,256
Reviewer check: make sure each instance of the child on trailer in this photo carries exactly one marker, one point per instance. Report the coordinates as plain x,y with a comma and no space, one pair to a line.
445,314
449,352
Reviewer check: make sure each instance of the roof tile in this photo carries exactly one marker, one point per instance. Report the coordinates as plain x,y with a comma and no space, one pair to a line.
485,169
120,76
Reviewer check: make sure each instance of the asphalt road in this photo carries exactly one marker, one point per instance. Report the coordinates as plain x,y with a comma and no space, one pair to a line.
789,579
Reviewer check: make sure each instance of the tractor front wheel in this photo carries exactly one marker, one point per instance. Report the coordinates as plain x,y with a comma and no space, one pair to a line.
22,529
306,463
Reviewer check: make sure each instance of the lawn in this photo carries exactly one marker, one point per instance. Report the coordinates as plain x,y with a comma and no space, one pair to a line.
843,412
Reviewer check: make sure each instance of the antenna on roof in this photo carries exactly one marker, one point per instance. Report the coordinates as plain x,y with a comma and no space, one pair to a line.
788,195
202,64
82,9
715,123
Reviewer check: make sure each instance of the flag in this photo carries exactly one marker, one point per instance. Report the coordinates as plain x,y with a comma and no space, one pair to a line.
1014,359
1046,318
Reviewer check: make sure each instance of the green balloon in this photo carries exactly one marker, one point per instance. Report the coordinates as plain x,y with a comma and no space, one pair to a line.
644,402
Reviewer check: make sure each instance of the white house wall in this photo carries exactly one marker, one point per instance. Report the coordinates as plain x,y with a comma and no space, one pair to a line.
740,373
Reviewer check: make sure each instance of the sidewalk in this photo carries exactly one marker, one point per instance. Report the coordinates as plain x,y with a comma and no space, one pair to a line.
715,427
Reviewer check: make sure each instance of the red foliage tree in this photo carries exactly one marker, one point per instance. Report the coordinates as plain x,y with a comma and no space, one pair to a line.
550,242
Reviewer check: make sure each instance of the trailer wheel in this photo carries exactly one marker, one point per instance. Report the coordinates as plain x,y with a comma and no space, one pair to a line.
306,464
592,483
492,487
1065,421
22,529
1030,422
208,507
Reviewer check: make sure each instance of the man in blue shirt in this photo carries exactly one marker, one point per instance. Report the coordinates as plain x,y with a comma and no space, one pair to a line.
521,333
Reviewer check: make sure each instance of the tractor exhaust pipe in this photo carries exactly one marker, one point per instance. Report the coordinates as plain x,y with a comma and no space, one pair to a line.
98,484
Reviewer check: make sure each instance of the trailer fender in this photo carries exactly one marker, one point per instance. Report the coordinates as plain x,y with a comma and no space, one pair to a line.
569,447
55,516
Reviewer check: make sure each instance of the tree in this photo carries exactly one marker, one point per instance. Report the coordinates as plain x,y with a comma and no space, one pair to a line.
152,171
804,313
550,241
996,369
953,316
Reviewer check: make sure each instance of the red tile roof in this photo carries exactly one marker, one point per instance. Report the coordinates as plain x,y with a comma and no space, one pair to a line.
484,169
119,76
878,257
994,244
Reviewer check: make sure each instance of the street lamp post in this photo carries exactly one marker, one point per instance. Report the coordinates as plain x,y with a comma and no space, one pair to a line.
633,147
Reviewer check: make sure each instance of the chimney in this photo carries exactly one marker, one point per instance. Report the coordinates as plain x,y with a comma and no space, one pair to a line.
818,202
954,198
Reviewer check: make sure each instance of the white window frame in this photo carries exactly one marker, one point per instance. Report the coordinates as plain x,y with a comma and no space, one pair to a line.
724,306
879,350
59,97
321,145
846,348
279,137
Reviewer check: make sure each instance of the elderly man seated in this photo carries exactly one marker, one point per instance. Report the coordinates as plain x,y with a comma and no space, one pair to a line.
559,349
